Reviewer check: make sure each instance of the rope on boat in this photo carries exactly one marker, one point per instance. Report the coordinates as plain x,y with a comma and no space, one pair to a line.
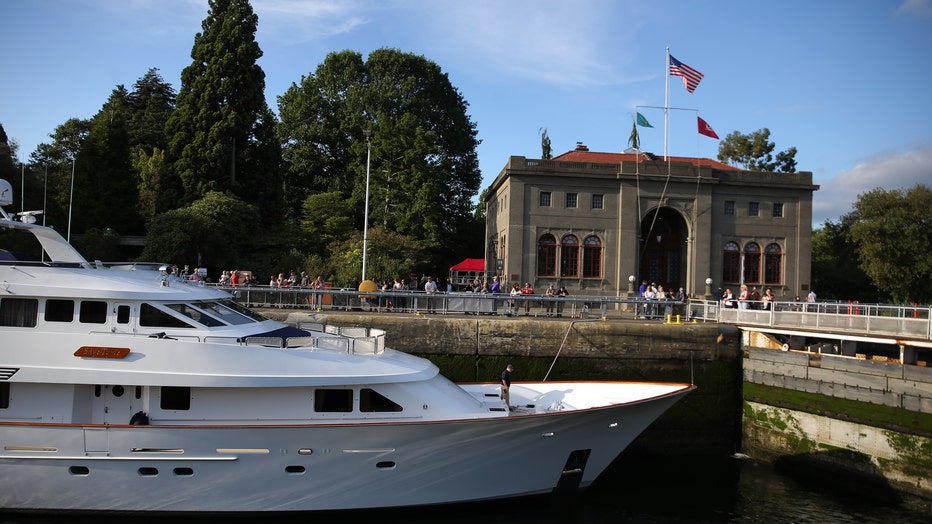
565,336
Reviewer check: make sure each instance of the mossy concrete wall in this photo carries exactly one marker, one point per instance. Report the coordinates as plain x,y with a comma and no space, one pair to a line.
477,348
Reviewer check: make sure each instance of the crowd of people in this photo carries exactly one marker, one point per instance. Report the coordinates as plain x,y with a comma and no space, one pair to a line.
752,298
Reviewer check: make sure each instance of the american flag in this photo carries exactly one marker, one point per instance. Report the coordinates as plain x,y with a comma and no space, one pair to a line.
691,77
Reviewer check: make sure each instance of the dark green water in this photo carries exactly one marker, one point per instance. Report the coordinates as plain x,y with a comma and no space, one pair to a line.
640,490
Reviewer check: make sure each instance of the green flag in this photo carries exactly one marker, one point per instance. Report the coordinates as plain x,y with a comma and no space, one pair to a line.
643,121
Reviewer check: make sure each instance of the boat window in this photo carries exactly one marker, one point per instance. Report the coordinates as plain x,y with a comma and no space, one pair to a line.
371,401
123,314
223,312
178,398
19,312
150,316
57,310
4,395
93,312
243,310
333,400
196,315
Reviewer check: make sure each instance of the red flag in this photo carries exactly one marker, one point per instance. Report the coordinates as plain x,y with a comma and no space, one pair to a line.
706,129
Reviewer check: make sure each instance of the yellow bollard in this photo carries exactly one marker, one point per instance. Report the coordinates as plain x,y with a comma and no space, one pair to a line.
668,319
677,319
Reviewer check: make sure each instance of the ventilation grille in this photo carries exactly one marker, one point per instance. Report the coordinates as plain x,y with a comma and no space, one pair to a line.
6,373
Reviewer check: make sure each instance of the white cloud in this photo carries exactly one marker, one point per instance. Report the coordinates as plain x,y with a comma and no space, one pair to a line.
559,43
291,22
900,169
915,7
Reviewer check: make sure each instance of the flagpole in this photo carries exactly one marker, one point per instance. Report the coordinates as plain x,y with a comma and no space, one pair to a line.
666,104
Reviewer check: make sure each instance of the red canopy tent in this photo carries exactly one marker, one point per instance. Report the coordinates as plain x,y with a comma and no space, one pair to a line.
470,264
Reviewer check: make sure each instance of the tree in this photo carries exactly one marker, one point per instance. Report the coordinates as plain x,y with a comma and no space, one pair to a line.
57,158
833,275
211,231
893,233
326,218
149,105
390,256
754,152
221,136
424,167
321,119
103,173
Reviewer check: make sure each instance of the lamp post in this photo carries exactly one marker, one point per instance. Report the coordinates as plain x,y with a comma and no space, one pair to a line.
365,226
630,285
708,288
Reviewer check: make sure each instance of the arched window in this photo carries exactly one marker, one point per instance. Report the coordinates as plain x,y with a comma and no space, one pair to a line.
569,256
592,257
547,256
731,263
752,263
773,264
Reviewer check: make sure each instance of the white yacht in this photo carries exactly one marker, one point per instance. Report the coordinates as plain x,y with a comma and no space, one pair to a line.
123,389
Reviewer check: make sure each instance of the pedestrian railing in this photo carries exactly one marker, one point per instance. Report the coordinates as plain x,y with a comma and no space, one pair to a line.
863,319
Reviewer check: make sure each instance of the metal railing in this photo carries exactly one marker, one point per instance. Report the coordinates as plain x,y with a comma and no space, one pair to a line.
863,319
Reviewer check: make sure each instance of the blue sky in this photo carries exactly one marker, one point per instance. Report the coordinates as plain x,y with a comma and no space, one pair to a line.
844,81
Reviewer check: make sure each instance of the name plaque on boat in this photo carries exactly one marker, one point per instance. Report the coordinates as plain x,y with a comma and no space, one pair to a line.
101,352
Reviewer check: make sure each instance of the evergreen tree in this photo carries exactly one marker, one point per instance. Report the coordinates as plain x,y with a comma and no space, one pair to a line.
221,135
105,189
150,104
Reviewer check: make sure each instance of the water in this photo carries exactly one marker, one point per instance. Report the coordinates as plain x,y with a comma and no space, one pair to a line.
640,490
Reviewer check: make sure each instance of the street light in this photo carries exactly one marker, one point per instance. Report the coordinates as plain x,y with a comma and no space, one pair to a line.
365,226
708,287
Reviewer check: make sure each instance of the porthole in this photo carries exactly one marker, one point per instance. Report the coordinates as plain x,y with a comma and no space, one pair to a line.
183,472
386,464
305,451
118,391
148,472
294,470
79,470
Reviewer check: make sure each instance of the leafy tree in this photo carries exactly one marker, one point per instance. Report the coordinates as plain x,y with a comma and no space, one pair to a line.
754,152
893,233
321,120
833,274
211,231
424,169
221,136
57,160
326,217
391,255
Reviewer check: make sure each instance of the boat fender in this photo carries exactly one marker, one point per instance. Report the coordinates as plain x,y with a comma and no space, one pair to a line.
139,419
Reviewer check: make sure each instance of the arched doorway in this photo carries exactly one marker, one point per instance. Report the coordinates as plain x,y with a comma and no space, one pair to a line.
664,248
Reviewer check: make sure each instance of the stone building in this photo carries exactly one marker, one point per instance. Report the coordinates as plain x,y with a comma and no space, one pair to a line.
600,223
